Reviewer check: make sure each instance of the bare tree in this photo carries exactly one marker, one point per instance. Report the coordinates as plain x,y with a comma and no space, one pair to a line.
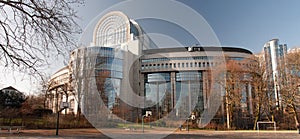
290,86
33,30
261,100
240,77
232,87
83,70
33,103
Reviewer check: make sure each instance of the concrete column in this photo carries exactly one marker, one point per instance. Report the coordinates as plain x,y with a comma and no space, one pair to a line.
250,99
222,100
205,101
157,100
173,89
190,99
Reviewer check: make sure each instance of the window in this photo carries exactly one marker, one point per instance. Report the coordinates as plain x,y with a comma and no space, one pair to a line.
186,76
156,77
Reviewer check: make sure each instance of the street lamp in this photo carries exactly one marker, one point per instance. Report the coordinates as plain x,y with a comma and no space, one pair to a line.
63,105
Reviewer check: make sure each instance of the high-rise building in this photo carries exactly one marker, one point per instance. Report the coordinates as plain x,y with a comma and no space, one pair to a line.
275,60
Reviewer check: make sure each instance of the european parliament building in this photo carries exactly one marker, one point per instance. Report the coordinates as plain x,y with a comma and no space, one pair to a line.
123,74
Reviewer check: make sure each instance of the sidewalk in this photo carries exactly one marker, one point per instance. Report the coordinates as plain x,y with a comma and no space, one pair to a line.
203,134
50,133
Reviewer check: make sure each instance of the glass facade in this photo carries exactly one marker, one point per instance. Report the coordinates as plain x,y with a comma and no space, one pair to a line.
134,30
106,64
189,93
275,57
158,93
178,58
185,98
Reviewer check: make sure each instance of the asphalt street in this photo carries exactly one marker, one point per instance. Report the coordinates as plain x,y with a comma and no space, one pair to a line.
160,133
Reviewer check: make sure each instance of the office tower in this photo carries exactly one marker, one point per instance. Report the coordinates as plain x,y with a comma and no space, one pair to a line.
275,60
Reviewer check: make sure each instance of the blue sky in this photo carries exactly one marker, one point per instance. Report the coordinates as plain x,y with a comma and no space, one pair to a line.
251,23
242,23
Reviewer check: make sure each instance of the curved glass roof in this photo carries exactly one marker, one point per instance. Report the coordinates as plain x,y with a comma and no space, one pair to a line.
112,29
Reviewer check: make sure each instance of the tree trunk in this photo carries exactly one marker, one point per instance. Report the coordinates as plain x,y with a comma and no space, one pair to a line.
295,115
257,116
78,112
227,111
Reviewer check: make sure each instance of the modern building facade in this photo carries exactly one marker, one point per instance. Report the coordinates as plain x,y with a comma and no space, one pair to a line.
117,43
275,60
132,75
183,77
60,90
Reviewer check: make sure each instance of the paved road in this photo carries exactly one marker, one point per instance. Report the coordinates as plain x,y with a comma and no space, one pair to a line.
203,134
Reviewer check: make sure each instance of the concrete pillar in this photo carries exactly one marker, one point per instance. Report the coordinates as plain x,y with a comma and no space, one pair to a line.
250,99
173,89
205,100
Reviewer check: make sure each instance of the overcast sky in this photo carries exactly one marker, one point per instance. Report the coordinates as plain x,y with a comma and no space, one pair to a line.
241,23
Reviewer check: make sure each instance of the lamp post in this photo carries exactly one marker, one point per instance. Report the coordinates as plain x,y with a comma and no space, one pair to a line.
63,105
150,122
143,122
188,129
